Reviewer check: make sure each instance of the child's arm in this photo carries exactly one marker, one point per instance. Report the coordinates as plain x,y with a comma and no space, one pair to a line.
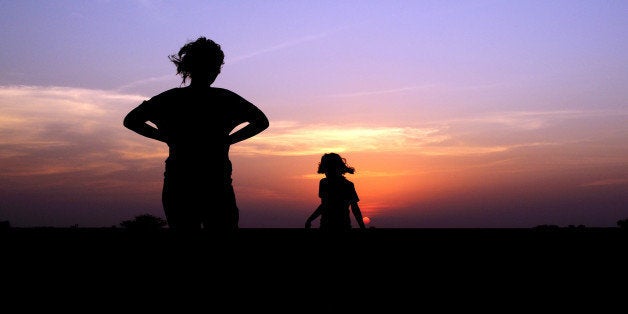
314,215
357,214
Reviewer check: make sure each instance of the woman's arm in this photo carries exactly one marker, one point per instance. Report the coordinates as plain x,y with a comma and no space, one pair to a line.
136,120
257,122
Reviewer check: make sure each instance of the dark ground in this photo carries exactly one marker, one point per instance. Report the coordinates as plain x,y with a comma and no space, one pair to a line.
385,244
401,269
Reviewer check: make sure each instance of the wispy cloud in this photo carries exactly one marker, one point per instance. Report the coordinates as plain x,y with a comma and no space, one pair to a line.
293,139
606,182
374,174
145,82
293,42
487,134
280,46
229,60
53,130
382,91
531,120
59,129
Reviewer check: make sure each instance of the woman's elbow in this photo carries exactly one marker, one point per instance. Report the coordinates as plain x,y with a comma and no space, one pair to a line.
127,122
130,122
264,124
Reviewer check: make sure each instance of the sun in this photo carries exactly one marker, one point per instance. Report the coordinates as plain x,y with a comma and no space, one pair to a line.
366,220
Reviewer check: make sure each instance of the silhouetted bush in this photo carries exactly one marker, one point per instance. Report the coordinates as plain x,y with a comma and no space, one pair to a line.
577,227
4,225
547,227
623,223
144,222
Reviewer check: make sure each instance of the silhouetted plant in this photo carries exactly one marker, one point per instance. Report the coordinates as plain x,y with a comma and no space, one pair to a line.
4,225
581,226
144,222
547,227
623,223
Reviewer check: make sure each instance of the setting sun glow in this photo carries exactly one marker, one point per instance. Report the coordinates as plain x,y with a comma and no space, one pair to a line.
366,220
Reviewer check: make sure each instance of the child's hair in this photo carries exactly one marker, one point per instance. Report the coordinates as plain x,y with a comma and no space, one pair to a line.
202,55
332,161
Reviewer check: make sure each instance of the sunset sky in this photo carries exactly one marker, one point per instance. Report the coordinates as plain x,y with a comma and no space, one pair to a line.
454,113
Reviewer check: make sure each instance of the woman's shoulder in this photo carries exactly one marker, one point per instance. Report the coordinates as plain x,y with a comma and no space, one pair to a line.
229,96
173,92
223,91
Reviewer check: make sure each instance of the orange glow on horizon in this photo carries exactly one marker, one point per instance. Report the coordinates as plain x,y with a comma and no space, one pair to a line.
80,150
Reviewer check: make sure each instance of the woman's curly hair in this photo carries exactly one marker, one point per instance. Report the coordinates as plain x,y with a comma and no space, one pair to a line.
200,56
331,162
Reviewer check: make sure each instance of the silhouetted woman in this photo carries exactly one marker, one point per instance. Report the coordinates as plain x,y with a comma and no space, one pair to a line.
337,194
196,122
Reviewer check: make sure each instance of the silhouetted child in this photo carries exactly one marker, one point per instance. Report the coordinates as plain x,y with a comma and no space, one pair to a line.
337,194
196,122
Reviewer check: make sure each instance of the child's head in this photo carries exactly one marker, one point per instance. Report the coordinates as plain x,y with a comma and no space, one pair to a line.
332,163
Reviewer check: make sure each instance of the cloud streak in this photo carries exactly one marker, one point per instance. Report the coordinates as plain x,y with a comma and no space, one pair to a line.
53,130
71,123
492,133
381,92
532,120
293,139
606,182
71,140
144,82
280,46
234,60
